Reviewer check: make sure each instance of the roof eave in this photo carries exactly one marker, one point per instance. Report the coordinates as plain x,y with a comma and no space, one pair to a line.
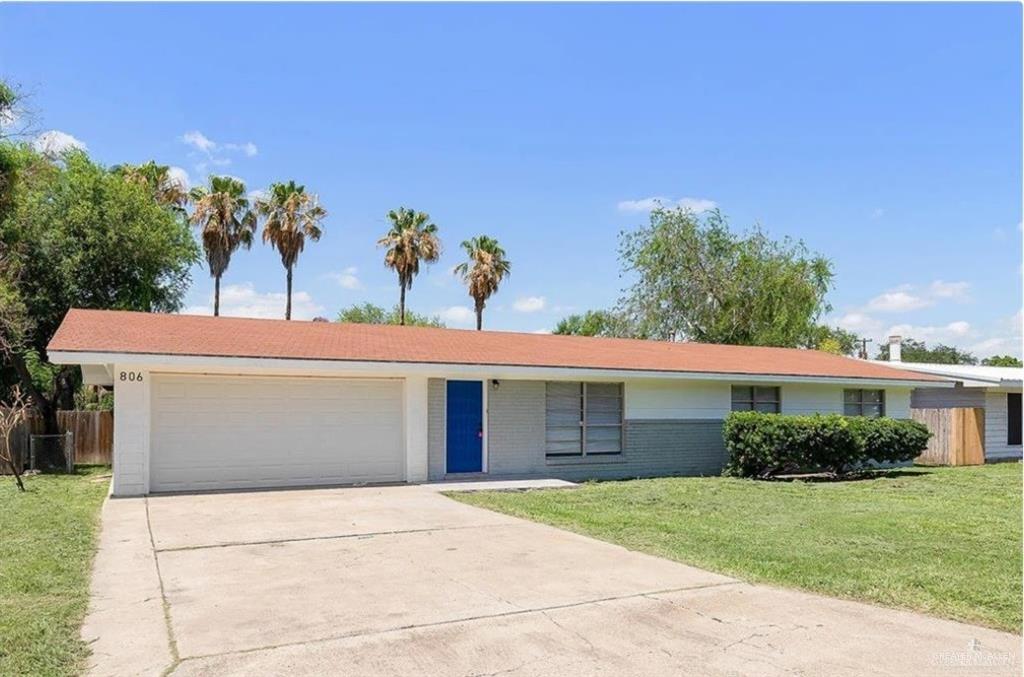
242,364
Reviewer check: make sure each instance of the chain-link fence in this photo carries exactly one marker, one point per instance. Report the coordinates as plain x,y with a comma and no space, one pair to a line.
52,446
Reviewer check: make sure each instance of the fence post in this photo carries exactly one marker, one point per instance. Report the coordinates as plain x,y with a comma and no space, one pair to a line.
69,451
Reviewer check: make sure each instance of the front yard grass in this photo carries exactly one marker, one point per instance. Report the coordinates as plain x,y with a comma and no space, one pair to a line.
944,541
47,540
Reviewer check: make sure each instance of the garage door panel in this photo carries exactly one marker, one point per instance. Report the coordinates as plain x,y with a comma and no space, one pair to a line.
240,432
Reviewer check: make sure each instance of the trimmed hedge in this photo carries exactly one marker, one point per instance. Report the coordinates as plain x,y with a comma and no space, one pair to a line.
764,445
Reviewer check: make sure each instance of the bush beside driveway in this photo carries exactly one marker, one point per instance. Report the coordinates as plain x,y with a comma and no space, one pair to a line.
46,550
944,541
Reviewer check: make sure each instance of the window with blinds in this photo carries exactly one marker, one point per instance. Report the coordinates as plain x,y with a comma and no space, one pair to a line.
766,399
870,403
583,419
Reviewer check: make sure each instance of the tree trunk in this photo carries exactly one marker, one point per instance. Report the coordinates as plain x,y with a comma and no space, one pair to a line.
47,409
13,466
44,405
479,315
288,305
216,296
64,388
401,305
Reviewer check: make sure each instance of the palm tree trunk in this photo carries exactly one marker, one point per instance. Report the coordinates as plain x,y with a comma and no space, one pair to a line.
288,305
216,296
479,315
401,305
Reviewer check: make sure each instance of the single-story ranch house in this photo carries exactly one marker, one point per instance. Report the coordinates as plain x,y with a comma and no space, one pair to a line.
227,403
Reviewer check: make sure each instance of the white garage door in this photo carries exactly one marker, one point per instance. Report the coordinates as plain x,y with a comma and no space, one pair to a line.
226,432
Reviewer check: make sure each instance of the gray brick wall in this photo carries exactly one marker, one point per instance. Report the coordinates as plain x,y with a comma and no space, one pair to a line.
515,428
652,447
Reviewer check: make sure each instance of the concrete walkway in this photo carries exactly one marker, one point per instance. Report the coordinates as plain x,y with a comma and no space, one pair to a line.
404,581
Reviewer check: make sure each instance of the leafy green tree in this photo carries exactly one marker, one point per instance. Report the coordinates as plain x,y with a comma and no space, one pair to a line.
291,217
158,180
695,279
8,101
411,239
78,235
835,340
226,222
918,351
487,267
16,119
369,313
1002,361
596,323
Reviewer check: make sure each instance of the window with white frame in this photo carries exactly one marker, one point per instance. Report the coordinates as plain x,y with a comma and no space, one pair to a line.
766,399
864,402
583,419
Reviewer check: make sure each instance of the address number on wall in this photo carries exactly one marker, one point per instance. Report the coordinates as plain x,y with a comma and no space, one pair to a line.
131,376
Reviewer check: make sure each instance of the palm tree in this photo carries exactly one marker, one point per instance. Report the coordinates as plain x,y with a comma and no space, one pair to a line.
486,268
167,192
292,215
222,212
412,239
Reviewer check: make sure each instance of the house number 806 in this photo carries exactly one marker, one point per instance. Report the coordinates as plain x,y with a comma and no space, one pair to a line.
131,376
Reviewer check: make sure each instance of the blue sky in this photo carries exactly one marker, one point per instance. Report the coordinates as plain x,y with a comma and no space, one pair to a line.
888,137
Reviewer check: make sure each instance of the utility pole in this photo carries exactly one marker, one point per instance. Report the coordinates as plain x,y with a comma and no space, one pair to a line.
864,347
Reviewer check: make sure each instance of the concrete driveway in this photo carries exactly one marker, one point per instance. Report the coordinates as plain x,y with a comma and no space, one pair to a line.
404,581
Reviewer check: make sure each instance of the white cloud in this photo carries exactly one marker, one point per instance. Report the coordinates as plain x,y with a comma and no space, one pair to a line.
694,204
956,291
179,176
457,315
199,141
860,323
55,142
248,148
347,278
877,213
644,205
541,331
242,300
214,152
907,297
256,194
897,302
529,304
953,332
1006,338
1002,337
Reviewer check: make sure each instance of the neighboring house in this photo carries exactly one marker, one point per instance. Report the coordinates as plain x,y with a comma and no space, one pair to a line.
997,390
226,403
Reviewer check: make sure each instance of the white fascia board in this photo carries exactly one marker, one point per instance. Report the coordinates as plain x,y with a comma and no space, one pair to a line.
313,367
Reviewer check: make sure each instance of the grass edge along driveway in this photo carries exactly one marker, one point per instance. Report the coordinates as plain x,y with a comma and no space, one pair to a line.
942,541
46,551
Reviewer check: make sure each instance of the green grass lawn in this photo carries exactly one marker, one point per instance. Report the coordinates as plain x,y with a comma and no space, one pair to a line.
944,541
47,540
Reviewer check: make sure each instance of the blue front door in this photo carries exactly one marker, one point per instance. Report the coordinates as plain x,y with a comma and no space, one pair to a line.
465,426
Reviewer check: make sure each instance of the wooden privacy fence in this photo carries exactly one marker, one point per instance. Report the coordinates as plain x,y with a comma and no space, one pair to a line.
958,435
92,433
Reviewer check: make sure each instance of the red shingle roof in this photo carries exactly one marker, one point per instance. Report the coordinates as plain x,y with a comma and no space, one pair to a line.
107,331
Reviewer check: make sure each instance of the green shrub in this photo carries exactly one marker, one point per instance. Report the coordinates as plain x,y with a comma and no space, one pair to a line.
764,445
891,440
